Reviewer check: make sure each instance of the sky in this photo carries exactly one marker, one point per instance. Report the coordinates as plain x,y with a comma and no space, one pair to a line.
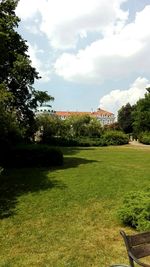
90,53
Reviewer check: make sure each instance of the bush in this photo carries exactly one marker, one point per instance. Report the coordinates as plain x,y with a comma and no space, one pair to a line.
114,138
108,138
75,141
135,211
144,138
59,141
87,141
32,156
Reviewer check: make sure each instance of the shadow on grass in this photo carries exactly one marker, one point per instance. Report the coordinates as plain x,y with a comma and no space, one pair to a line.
73,162
74,150
16,182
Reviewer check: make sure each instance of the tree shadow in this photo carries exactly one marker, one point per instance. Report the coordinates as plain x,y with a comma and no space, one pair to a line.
17,182
74,150
73,162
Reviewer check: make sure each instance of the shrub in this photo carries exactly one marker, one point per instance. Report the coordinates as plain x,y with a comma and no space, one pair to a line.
59,141
75,141
32,156
144,138
135,211
115,138
87,141
108,138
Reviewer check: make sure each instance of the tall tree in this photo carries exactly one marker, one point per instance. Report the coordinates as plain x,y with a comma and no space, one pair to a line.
10,130
17,75
141,115
125,118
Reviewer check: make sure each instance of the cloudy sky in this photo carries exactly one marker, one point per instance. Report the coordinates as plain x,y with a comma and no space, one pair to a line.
90,53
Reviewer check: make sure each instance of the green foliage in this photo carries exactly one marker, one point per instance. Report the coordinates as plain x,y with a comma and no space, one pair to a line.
52,126
84,142
136,119
10,130
79,131
112,126
39,98
141,115
32,156
84,125
17,75
114,138
94,129
144,138
125,118
76,130
135,211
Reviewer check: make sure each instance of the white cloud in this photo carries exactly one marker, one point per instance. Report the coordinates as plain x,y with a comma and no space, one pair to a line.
121,49
27,9
32,29
117,54
65,21
43,69
117,98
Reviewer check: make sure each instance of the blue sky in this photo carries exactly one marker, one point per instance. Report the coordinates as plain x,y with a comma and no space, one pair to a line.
91,53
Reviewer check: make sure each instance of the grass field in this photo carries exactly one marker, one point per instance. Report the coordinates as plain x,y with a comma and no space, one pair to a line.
66,217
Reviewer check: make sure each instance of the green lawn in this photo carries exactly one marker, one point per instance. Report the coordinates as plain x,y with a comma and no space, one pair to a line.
66,217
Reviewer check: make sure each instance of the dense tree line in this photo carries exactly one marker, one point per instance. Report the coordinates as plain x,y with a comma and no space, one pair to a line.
82,130
136,119
72,127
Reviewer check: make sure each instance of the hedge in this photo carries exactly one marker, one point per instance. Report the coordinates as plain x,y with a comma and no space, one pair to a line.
114,138
144,138
31,156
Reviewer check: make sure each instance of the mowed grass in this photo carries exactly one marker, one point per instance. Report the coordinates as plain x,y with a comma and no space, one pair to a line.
66,217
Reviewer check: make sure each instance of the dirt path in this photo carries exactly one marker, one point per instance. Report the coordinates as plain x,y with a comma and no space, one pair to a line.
136,143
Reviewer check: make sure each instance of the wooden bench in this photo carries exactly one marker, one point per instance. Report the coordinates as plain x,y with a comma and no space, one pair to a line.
138,246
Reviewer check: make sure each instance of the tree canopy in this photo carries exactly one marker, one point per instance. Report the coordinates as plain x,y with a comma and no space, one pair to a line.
125,119
141,115
136,119
17,75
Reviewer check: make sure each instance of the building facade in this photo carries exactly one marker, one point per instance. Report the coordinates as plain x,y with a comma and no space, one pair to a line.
103,116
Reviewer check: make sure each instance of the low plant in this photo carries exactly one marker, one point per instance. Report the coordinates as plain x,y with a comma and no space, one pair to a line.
75,141
144,138
135,210
88,141
114,138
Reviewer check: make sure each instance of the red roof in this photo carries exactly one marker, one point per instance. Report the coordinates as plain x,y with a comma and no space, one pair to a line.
99,112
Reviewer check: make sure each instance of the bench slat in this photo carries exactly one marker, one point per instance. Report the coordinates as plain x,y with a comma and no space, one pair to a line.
138,239
141,251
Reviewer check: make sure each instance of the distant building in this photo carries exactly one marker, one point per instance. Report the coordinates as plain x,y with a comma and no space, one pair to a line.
45,109
101,115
